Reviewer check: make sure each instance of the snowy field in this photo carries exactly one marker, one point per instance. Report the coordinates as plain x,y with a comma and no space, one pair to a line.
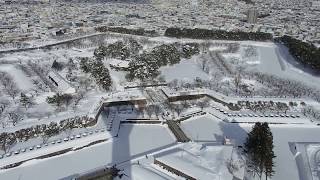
200,162
275,59
186,70
132,141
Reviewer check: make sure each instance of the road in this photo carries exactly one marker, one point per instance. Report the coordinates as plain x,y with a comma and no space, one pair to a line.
48,45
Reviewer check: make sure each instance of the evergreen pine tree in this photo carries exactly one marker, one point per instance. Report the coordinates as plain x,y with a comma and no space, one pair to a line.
56,65
259,150
269,163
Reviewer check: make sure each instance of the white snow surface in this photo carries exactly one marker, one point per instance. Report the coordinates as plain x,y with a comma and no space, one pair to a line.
186,70
200,162
131,142
24,83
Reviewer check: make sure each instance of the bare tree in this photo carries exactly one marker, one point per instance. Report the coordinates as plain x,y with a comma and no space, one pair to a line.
203,64
10,87
204,103
45,138
150,110
3,106
12,90
157,110
6,141
178,108
25,100
237,81
14,117
85,83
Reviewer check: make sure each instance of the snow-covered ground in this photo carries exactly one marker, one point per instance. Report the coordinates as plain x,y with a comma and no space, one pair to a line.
275,59
186,70
132,141
200,162
209,129
19,76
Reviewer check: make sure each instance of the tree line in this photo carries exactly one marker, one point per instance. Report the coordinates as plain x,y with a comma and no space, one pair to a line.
217,34
122,30
45,131
307,54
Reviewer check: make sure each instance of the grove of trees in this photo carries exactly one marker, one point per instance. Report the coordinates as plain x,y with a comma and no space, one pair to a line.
119,49
145,66
59,99
98,71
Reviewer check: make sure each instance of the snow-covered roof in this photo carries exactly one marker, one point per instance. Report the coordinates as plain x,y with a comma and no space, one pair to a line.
62,85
